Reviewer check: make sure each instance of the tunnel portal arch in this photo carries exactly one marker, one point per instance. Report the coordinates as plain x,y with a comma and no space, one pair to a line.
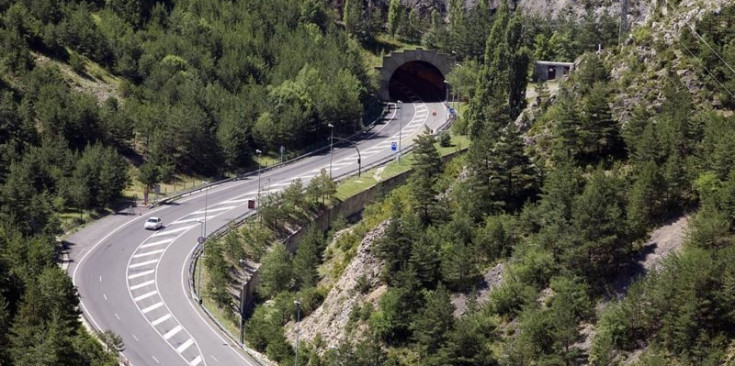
400,60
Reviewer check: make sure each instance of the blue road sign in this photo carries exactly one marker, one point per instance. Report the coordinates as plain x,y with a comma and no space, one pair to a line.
451,110
393,146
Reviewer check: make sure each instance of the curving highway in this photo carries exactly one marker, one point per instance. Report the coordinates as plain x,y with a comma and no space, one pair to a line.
134,282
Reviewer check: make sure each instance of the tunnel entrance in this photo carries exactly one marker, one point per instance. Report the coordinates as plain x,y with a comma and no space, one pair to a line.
419,71
420,78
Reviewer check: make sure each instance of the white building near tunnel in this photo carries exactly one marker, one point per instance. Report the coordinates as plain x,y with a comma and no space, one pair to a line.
551,70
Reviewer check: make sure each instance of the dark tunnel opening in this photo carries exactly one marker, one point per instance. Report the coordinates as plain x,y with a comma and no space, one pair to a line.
419,77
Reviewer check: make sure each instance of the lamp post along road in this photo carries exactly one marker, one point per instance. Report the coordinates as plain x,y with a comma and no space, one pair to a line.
331,149
359,158
400,129
206,193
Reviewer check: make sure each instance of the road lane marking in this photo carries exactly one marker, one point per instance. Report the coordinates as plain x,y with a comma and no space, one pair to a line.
172,231
147,254
172,332
145,296
161,319
155,359
214,358
85,253
141,285
215,209
105,296
100,279
185,345
141,264
197,360
134,337
152,307
117,316
141,274
195,219
155,243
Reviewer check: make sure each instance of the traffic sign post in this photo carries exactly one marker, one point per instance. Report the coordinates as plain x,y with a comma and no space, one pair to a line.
393,146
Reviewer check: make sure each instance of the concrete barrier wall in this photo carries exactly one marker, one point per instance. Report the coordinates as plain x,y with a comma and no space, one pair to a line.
349,207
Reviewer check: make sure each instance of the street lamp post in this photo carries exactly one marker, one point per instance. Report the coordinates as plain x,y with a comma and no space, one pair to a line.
206,193
259,155
400,129
257,151
359,158
198,285
331,148
298,319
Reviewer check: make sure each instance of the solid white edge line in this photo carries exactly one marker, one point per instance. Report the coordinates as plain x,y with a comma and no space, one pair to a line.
104,238
184,281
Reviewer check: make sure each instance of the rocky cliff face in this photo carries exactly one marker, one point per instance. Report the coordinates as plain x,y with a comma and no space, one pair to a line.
647,56
359,286
638,10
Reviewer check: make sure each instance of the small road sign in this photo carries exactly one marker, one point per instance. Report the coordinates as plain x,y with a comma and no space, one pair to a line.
200,239
451,110
393,146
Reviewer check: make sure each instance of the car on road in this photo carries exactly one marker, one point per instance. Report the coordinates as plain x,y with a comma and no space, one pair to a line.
153,223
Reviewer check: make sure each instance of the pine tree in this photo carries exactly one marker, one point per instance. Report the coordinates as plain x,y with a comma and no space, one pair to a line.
351,15
425,259
487,104
601,232
519,60
434,322
395,15
567,142
427,169
599,133
307,259
275,272
645,198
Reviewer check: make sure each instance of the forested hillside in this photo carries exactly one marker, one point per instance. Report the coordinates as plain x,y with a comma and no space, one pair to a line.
639,135
196,86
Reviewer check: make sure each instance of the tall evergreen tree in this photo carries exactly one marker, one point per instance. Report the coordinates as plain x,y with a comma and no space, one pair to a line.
434,322
395,16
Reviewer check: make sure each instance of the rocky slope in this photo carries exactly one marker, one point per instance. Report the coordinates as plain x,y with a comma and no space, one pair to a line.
652,51
359,286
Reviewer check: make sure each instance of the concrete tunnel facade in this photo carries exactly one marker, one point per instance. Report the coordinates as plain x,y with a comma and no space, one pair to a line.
424,70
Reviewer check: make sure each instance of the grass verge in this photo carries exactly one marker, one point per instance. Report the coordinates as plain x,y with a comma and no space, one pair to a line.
345,189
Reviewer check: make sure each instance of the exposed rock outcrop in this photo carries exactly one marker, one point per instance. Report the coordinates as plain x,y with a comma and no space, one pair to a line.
359,285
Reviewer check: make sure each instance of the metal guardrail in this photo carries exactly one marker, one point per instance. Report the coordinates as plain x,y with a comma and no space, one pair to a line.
268,168
222,231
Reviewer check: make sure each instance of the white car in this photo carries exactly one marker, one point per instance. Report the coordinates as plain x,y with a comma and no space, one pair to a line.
153,223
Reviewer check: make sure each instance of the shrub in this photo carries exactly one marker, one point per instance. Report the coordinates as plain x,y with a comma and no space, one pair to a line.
445,140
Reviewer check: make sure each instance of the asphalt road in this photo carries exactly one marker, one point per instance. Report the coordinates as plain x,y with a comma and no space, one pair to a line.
134,281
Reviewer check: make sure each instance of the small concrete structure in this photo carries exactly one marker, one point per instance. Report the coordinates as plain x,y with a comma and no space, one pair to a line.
551,70
395,60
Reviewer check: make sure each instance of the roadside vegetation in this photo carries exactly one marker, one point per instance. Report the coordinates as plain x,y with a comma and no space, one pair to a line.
567,215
